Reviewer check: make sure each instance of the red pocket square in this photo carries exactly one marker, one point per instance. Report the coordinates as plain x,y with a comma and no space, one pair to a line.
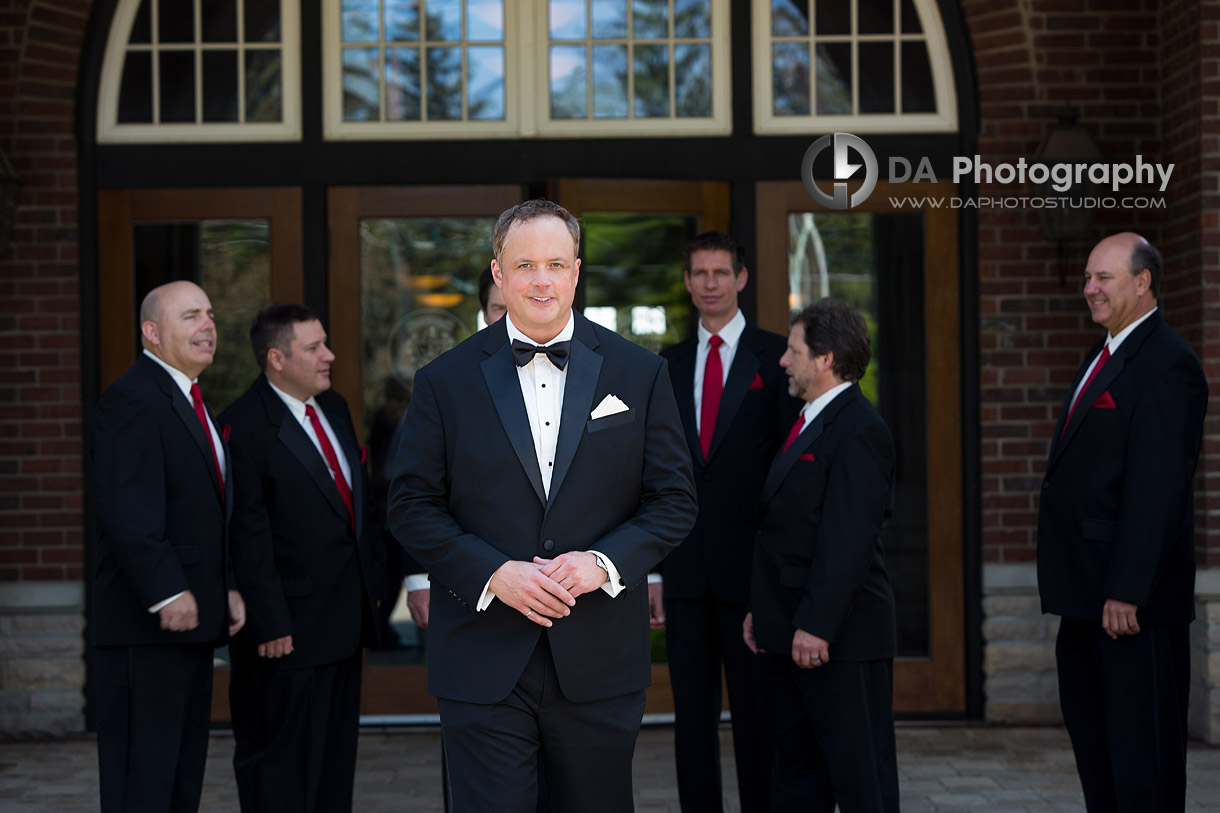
1105,402
224,430
806,456
757,383
364,454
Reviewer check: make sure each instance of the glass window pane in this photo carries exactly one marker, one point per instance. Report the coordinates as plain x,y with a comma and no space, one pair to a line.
484,20
135,91
790,79
485,83
141,26
443,20
361,85
173,26
910,18
875,16
876,77
651,81
402,21
402,101
219,19
262,20
918,92
692,18
832,16
834,79
444,69
610,81
609,19
789,18
177,74
219,85
264,86
650,19
566,19
693,72
568,82
360,21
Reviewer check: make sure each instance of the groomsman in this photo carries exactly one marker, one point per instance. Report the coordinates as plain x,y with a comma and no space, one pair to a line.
734,402
163,594
307,552
821,603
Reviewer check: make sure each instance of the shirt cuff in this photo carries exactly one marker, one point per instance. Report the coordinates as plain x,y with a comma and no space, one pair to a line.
416,581
655,578
614,585
486,597
160,605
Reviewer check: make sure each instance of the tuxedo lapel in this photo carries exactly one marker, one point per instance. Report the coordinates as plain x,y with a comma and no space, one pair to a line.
292,435
504,385
186,411
584,368
741,376
787,459
351,450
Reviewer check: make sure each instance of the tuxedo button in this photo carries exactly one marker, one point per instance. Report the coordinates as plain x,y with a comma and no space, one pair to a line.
548,545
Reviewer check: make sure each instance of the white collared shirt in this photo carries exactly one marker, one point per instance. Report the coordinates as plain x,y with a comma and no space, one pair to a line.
184,384
297,407
730,336
1112,342
542,388
813,408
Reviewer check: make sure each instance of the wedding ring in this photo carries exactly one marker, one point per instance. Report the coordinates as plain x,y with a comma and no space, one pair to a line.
816,658
531,612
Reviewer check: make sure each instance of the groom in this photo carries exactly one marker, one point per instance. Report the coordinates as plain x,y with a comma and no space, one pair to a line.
543,473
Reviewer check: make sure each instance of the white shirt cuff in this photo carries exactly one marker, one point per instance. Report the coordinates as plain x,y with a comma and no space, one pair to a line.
416,581
614,585
654,578
160,605
486,597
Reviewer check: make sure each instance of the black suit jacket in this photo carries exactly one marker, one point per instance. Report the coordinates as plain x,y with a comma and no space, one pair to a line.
469,498
818,561
298,564
161,513
755,415
1116,518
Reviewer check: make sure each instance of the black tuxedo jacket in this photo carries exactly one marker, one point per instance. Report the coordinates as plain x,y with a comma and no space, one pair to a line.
1116,518
755,415
161,513
468,497
818,562
298,564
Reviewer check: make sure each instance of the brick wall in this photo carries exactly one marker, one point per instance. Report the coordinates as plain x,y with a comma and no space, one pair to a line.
40,374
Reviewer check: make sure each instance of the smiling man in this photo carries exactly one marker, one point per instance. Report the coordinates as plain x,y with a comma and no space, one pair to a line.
1116,554
163,594
308,555
542,474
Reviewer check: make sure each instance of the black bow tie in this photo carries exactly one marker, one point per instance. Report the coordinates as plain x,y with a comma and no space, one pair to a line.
524,352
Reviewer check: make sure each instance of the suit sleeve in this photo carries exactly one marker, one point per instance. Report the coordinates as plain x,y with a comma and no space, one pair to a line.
131,501
1158,478
252,546
418,512
857,492
668,505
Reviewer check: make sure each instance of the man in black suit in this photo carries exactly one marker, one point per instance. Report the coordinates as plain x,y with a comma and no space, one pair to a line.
306,551
734,419
538,486
1116,555
821,603
163,595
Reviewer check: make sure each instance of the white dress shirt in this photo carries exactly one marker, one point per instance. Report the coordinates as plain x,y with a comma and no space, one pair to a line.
814,408
730,335
183,382
1113,343
297,407
542,388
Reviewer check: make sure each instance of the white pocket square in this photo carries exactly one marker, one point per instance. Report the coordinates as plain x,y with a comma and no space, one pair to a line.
610,405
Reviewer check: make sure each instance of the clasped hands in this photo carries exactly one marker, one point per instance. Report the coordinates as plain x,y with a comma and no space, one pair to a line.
547,588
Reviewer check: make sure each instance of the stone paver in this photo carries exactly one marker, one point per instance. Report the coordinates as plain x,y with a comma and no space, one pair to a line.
946,767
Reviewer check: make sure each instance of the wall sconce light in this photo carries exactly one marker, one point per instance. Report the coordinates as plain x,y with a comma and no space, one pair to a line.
1067,142
9,188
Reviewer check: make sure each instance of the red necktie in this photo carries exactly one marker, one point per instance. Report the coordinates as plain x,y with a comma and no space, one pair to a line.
328,452
197,400
713,388
796,430
1101,361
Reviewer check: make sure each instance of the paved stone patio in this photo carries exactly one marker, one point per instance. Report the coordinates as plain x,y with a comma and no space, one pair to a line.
954,767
